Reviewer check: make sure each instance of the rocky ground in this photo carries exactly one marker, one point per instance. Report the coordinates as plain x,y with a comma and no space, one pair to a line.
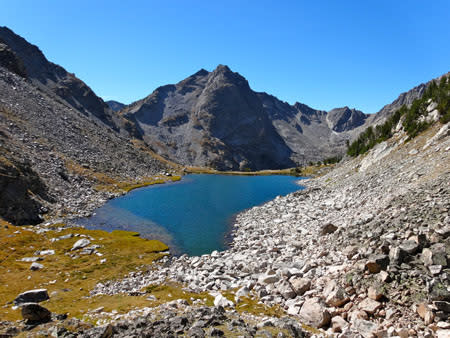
362,251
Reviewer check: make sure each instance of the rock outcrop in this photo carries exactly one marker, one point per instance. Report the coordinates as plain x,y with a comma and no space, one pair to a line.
21,192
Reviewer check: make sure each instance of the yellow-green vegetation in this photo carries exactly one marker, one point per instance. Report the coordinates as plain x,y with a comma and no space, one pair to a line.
204,170
315,170
68,279
105,182
172,291
128,186
253,306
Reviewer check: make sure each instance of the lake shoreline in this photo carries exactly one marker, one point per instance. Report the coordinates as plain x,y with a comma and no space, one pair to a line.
172,210
324,250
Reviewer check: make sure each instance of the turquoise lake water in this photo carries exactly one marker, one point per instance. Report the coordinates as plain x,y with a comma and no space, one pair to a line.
193,216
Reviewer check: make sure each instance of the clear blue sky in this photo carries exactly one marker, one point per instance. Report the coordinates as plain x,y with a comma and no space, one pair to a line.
322,53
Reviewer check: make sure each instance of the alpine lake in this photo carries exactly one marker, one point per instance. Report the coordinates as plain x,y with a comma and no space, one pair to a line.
193,216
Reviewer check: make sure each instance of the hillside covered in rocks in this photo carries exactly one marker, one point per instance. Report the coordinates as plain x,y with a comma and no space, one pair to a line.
60,150
363,251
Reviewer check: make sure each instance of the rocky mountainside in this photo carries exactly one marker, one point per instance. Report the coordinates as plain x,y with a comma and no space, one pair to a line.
60,151
55,81
406,98
214,119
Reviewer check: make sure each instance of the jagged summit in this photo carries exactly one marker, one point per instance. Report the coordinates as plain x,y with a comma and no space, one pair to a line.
210,119
341,119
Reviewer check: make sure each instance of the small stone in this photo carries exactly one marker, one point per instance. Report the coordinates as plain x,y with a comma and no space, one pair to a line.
425,313
338,324
36,266
443,333
108,331
369,305
314,313
384,277
215,332
443,306
435,269
365,328
397,255
222,301
337,297
286,290
47,252
196,332
430,257
328,228
31,259
410,247
443,325
269,278
300,285
242,292
377,263
35,313
374,293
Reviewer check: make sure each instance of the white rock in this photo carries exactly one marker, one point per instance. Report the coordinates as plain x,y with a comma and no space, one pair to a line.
36,266
81,243
47,252
222,301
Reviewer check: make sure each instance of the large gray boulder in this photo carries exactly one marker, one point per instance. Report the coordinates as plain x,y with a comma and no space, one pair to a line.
35,313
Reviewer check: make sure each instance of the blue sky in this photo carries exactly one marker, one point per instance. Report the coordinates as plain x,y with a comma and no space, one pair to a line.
322,53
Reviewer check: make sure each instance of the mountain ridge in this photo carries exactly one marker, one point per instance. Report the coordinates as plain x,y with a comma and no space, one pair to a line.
306,133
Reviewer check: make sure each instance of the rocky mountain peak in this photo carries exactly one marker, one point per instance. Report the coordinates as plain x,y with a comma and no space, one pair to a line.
341,119
224,76
222,69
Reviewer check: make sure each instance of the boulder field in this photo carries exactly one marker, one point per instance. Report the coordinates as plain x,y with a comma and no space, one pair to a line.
364,250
